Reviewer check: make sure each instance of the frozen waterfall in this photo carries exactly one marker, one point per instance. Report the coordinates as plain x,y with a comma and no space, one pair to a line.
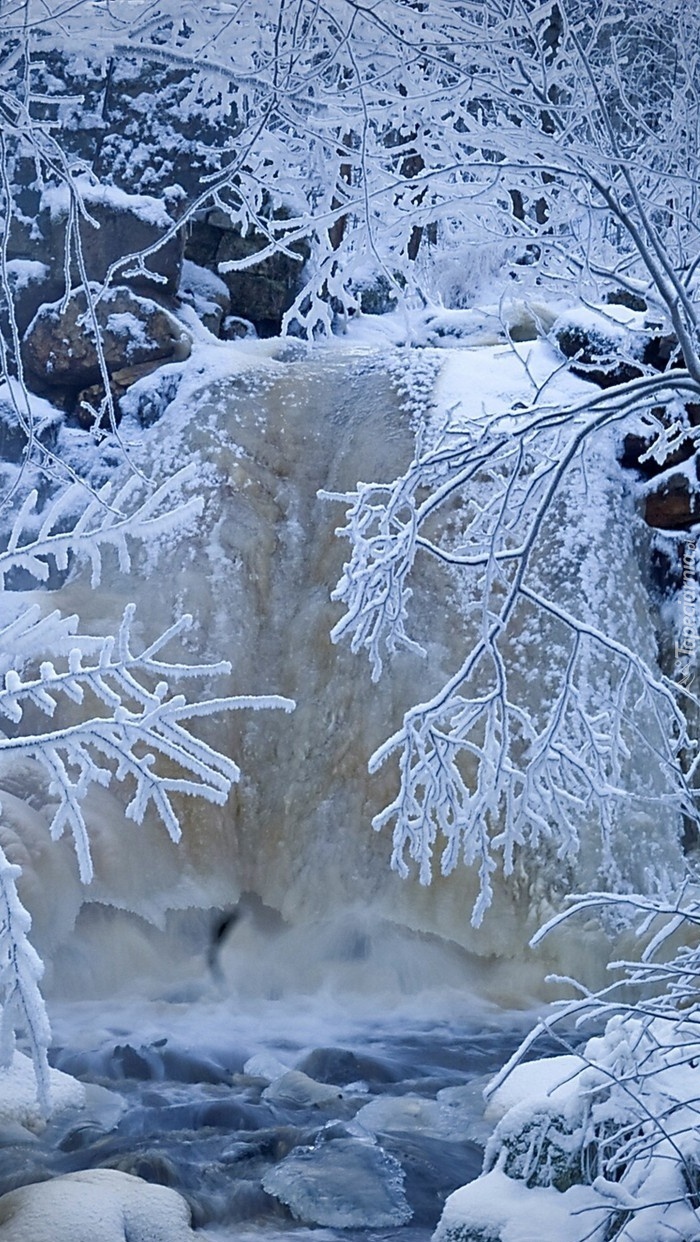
293,845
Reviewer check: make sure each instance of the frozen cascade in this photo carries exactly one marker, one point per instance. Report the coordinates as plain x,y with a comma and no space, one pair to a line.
294,841
322,1069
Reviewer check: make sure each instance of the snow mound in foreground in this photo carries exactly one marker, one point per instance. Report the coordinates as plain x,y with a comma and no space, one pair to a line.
96,1203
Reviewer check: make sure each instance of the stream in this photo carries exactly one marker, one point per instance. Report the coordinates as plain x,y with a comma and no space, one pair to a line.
296,1117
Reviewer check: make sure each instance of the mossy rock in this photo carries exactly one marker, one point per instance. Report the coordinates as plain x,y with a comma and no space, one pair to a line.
469,1233
545,1151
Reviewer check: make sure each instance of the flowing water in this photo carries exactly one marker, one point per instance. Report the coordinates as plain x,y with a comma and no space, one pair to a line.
276,930
362,1122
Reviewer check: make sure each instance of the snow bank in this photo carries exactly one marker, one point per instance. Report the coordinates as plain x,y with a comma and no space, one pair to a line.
588,1143
495,1208
18,1095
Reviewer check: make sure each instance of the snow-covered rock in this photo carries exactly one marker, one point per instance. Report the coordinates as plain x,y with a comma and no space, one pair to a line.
495,1208
553,1078
18,1095
96,1204
118,225
207,293
59,350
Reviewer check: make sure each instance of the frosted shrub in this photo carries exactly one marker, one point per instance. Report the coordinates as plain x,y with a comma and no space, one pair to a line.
623,1119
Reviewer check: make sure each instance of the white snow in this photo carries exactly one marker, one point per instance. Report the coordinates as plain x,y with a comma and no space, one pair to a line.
18,1094
126,324
552,1078
56,199
202,282
24,272
95,1204
508,1211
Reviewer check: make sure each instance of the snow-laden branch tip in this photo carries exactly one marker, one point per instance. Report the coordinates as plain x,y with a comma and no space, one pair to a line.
139,722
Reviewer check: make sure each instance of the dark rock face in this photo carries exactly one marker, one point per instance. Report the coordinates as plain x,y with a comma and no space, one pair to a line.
119,225
124,118
261,293
32,282
59,350
149,132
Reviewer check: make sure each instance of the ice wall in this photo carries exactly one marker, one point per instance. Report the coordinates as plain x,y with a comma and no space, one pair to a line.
256,571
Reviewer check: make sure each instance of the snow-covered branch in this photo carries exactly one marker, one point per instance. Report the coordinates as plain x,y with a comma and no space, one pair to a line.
118,719
20,973
484,772
137,726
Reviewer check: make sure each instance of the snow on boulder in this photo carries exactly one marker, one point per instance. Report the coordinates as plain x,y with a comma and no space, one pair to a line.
607,346
342,1184
18,1094
59,349
207,293
552,1078
96,1205
494,1208
119,225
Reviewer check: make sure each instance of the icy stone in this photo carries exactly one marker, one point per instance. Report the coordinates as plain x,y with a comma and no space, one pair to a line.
97,1203
103,1106
265,1065
390,1114
462,1110
300,1091
12,1134
343,1184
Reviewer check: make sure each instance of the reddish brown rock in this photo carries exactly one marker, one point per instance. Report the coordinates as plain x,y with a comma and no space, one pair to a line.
59,349
675,506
